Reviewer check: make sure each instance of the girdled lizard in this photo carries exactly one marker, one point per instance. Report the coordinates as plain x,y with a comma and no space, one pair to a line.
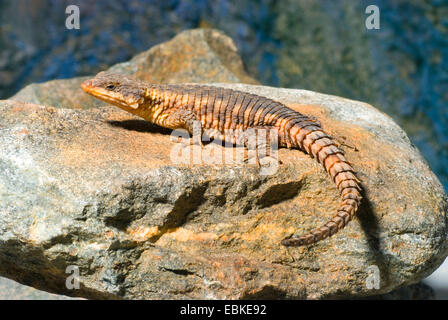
180,105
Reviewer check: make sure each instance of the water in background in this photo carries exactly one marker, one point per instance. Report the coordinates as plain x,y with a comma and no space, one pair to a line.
318,45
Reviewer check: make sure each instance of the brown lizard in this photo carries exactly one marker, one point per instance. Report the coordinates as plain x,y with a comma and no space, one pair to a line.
180,105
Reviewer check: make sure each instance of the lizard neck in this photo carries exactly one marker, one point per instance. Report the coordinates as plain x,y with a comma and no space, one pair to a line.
155,104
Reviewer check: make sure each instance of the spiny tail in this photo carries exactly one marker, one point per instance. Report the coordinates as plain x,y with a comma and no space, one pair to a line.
310,138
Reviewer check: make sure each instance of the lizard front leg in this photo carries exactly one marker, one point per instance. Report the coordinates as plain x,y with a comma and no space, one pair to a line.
185,119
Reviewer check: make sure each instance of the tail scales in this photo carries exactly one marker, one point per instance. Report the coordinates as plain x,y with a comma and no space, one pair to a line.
321,147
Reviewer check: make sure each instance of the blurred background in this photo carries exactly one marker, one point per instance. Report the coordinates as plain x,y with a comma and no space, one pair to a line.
318,45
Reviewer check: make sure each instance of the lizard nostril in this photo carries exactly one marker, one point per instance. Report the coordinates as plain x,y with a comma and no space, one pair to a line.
86,84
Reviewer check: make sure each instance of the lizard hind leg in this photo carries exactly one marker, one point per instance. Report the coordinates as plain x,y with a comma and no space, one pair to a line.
261,144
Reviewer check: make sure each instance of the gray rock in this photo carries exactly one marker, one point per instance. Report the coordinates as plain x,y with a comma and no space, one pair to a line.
418,291
11,290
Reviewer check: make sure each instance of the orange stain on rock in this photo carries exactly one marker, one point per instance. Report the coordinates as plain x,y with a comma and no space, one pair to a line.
109,234
182,235
142,233
24,131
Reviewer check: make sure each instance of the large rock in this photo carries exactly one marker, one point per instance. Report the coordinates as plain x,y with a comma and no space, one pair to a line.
200,55
97,189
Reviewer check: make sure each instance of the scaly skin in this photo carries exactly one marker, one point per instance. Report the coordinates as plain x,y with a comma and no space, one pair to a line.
219,109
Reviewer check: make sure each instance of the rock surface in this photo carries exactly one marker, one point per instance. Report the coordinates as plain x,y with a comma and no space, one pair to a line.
96,188
417,291
11,290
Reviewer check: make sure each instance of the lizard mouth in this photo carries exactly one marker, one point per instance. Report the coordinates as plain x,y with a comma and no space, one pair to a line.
103,94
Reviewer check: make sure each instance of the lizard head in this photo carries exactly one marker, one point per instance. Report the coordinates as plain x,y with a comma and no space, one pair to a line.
123,92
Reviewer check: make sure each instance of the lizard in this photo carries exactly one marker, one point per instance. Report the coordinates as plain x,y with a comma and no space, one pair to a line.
175,106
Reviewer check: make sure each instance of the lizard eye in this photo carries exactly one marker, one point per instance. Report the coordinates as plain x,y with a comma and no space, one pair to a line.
110,87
